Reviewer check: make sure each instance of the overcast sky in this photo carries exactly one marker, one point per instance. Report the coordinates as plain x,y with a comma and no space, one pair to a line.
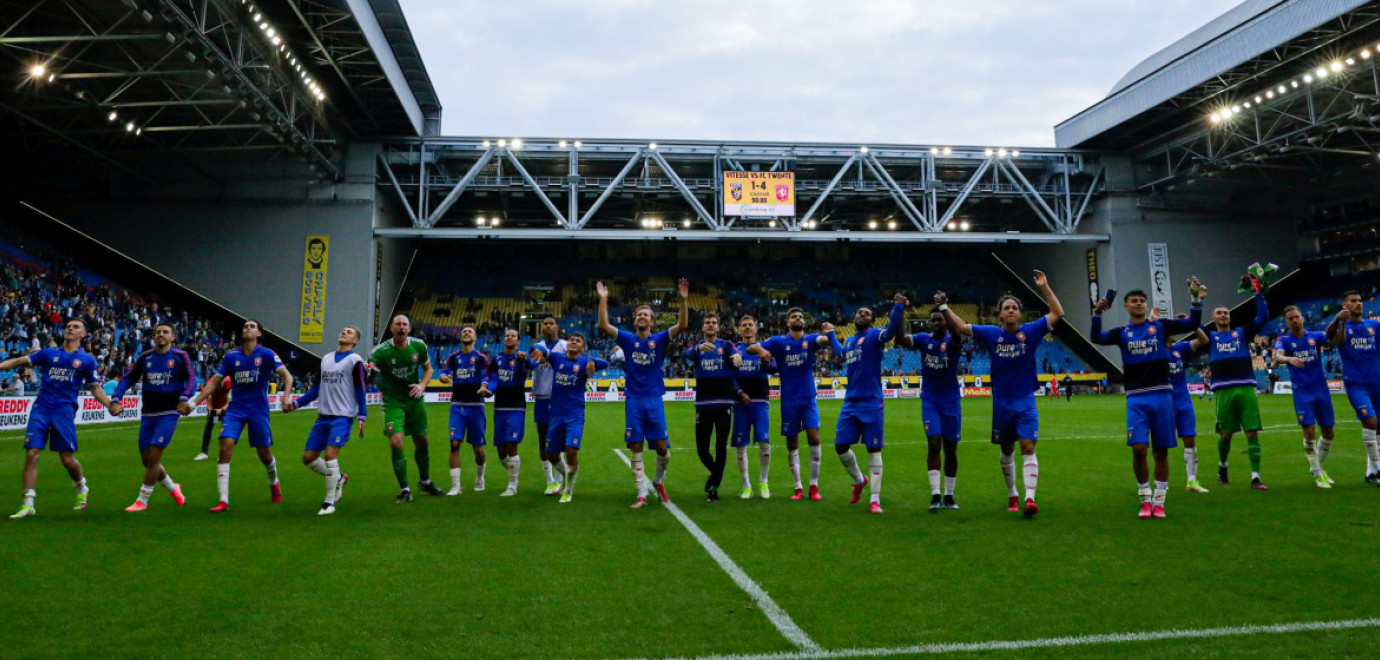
980,72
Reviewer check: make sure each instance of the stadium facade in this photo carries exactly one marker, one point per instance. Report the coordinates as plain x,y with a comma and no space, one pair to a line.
207,140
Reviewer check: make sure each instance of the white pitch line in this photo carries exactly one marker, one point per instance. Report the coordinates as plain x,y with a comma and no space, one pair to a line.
1056,642
775,614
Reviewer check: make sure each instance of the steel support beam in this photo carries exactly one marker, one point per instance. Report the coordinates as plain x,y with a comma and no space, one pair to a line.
541,194
684,190
449,233
916,217
833,183
963,193
402,198
459,187
617,181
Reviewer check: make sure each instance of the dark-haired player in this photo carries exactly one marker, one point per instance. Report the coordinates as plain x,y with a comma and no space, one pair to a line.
1233,383
1015,419
1354,337
507,379
1302,351
469,375
751,420
941,407
167,383
570,371
716,392
794,354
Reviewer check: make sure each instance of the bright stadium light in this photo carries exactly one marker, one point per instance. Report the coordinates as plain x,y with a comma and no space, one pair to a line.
1295,84
257,16
862,149
493,222
1308,78
1246,105
948,151
963,225
871,224
270,33
502,144
988,152
891,224
1335,66
1269,95
771,223
517,143
1321,72
685,223
561,144
652,147
1015,154
113,115
1350,61
480,221
1215,118
934,151
1001,153
139,131
129,128
951,226
38,70
486,144
1259,100
577,144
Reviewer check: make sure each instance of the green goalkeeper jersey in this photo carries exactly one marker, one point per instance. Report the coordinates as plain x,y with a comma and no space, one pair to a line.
399,368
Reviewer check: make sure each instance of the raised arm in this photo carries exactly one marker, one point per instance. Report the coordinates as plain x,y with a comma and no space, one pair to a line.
1095,331
898,313
958,325
1334,331
1262,316
604,324
15,363
1200,340
1056,310
682,320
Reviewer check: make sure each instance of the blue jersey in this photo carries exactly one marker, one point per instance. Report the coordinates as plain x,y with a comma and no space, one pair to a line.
167,379
715,377
1013,361
862,357
568,382
249,375
939,369
753,375
1230,358
1178,376
508,381
64,375
644,358
467,372
1308,379
1360,358
795,358
1145,349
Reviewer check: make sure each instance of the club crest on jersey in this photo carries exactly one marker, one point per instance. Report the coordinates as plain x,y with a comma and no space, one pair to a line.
1312,342
1235,334
414,357
171,363
1151,330
1020,336
652,344
804,345
943,347
721,350
471,359
258,362
1176,354
1370,330
574,368
76,363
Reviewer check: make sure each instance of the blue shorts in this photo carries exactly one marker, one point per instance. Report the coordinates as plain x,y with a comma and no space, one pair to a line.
750,423
1363,398
467,424
1012,424
1185,420
54,427
1150,418
564,433
1314,408
157,430
865,425
541,411
797,416
330,430
508,426
260,433
644,418
942,418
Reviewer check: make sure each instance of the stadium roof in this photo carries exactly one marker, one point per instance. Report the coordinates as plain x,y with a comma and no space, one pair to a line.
1248,42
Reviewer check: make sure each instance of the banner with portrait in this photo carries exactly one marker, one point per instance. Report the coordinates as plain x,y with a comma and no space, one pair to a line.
1161,284
314,269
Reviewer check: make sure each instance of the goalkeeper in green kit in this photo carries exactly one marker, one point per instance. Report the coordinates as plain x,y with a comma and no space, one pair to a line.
397,363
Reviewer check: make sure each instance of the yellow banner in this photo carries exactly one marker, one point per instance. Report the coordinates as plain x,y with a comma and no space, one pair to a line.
313,319
759,194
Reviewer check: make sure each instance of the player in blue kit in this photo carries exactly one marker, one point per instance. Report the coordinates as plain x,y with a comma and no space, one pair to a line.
1354,337
1302,351
342,393
863,418
570,372
751,419
716,393
167,381
247,371
508,381
644,412
1185,419
541,400
941,404
1150,417
1015,419
1233,382
794,355
468,386
52,423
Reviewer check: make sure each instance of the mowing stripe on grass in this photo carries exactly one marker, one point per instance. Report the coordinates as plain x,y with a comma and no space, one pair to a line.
1054,642
775,614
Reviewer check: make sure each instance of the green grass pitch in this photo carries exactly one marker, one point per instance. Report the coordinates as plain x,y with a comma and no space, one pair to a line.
481,576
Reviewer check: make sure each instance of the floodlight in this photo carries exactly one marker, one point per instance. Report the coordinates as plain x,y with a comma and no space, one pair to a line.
1015,154
502,143
493,222
577,144
1001,153
988,152
517,143
652,146
948,150
113,115
480,221
862,149
951,226
934,151
963,225
38,70
561,144
871,224
891,224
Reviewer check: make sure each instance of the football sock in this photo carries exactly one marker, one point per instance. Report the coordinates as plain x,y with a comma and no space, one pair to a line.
764,455
1310,449
743,466
1191,463
546,470
223,481
1324,448
332,480
1253,451
423,458
1372,450
793,460
144,492
850,463
934,482
479,470
663,461
400,467
874,467
514,469
570,472
949,483
1144,492
318,466
272,470
81,486
168,482
1032,475
1161,489
558,468
455,478
639,469
816,454
29,497
1008,470
1223,450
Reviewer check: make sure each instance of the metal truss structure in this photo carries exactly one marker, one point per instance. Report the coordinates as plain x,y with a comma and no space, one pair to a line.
1310,104
483,186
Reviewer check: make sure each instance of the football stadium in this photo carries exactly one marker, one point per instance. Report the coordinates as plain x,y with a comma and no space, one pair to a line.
1120,390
